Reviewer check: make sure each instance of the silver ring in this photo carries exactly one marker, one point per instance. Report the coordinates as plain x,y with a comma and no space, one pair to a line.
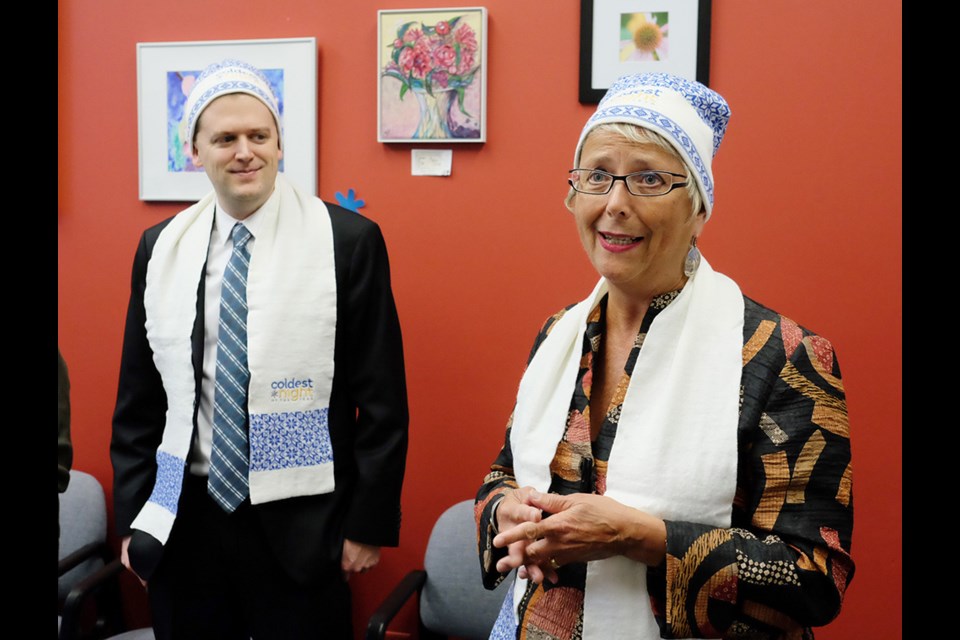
553,563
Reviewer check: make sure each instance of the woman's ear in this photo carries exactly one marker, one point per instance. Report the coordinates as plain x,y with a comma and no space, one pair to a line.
699,220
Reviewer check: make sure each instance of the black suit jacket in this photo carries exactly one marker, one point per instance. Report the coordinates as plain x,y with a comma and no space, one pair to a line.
368,415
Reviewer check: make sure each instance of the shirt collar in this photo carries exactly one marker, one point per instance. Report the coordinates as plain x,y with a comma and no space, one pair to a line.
223,221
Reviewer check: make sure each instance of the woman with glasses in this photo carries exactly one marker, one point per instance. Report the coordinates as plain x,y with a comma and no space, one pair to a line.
678,460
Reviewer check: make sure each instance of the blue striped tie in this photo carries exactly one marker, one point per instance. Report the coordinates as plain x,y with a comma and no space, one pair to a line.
230,457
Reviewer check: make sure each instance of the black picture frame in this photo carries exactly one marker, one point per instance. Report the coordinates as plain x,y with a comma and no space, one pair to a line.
591,92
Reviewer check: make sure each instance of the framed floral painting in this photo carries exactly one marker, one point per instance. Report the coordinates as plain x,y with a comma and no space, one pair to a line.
432,75
619,37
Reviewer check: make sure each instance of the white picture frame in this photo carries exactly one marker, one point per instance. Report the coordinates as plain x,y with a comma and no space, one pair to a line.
166,173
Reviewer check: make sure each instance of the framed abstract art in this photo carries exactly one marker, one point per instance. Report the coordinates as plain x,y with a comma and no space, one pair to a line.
166,71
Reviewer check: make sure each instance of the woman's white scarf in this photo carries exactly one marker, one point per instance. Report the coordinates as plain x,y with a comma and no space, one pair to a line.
291,327
675,452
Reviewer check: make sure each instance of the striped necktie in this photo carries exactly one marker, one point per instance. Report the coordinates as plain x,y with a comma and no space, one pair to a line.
230,457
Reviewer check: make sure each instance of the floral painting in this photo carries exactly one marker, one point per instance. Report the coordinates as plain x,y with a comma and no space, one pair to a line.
179,84
432,82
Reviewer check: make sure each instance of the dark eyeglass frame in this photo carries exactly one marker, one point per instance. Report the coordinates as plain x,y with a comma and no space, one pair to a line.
614,178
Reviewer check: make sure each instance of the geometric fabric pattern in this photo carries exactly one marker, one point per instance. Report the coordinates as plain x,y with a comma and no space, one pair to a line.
290,440
228,483
166,489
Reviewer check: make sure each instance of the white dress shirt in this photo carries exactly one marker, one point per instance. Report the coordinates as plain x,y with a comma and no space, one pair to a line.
218,254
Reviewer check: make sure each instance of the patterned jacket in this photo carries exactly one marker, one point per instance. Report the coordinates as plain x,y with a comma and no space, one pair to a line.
784,564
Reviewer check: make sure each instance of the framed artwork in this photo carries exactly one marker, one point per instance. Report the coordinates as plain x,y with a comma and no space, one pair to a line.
166,71
432,75
619,37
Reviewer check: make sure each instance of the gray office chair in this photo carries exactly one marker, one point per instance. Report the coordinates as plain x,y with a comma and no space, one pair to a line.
83,552
452,601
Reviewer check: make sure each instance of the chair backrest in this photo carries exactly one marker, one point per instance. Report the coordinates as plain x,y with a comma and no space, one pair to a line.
453,600
83,520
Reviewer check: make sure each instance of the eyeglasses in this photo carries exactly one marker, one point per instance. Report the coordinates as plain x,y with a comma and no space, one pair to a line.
639,183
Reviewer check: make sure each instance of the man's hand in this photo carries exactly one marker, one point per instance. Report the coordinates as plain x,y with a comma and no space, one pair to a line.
358,558
125,558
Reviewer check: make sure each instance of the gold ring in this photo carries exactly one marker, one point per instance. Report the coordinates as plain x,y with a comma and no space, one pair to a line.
553,563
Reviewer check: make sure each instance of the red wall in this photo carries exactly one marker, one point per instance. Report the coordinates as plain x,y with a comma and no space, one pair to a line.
807,220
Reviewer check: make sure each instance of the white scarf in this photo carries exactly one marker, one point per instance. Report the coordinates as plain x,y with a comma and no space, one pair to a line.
675,452
291,327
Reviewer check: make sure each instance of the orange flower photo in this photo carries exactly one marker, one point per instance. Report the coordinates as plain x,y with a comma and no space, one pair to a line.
644,36
625,37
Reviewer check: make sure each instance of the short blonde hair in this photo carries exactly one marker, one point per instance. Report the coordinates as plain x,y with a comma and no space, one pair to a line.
634,133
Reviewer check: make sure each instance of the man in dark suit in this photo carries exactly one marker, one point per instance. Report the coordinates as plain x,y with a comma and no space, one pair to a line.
322,410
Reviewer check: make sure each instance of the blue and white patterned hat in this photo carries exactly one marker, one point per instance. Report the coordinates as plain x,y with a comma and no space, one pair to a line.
692,117
222,78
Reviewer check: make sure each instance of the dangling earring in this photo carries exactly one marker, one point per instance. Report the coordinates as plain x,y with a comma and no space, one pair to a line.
692,263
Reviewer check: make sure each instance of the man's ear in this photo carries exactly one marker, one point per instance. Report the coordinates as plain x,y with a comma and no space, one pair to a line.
195,155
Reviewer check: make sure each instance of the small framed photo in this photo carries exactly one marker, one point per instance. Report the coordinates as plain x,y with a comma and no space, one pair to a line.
619,37
166,71
432,75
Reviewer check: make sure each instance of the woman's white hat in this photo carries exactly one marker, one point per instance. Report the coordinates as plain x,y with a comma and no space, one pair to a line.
691,116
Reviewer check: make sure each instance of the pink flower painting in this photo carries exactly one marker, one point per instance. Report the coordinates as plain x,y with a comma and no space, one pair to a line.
435,64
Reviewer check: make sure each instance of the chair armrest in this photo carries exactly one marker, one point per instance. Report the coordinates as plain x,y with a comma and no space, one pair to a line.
107,576
85,552
391,605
